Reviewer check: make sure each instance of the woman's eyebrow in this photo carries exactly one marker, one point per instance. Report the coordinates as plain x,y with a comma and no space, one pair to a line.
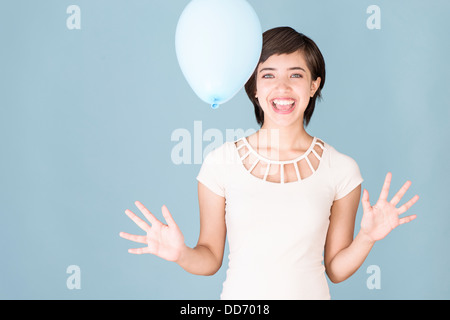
274,69
297,68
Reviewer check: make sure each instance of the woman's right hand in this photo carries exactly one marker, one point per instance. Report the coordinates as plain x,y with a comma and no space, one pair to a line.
163,240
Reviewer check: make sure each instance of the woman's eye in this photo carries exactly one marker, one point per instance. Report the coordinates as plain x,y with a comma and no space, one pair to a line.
297,75
267,76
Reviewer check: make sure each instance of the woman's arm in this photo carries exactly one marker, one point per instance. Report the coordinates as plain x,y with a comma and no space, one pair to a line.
343,254
167,241
207,256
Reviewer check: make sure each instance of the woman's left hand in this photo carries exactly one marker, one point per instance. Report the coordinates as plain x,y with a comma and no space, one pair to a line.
379,220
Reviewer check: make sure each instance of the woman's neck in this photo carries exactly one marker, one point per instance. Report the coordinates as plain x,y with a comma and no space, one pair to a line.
283,139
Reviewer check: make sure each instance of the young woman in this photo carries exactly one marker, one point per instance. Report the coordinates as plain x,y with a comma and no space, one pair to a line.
286,200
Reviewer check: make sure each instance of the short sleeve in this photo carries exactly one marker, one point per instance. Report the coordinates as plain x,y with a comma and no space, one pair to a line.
212,172
347,175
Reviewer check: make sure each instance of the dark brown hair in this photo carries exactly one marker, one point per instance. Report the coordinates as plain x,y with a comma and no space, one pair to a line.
285,40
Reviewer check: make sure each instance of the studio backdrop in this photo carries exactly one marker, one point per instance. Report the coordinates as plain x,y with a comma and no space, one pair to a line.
95,113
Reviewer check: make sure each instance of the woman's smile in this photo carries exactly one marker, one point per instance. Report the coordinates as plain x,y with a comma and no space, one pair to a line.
283,105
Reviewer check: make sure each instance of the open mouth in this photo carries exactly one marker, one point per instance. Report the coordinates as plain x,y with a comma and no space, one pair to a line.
283,105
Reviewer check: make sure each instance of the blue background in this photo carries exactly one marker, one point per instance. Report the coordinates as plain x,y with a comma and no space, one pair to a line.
86,118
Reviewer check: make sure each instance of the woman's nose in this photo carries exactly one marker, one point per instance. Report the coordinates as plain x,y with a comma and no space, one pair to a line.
283,84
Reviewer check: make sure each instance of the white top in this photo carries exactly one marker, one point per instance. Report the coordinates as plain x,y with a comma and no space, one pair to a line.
277,217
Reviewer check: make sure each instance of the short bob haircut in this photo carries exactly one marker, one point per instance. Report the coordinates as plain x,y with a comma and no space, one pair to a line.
285,40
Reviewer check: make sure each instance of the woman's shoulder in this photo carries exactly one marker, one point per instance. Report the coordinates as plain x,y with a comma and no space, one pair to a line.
220,153
344,172
338,159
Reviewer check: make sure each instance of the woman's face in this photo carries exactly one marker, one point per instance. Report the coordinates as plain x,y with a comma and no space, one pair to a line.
284,87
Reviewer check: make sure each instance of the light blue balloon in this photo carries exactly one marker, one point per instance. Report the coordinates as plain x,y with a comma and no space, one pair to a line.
218,44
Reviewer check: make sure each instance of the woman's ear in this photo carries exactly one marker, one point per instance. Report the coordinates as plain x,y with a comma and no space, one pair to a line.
315,84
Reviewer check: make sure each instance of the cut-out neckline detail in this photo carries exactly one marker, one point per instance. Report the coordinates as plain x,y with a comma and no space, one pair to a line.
277,171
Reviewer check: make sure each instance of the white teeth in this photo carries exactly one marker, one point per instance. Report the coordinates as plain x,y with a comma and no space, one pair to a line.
283,102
